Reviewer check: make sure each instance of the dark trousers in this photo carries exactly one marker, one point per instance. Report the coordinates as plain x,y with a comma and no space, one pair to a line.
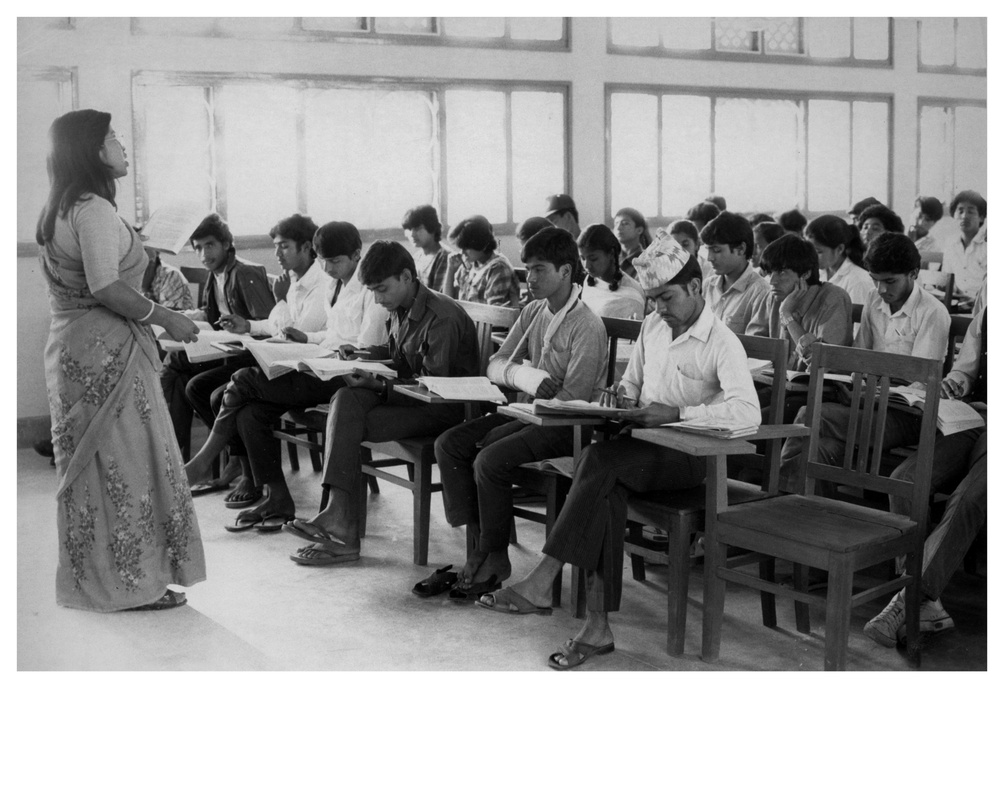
589,532
477,460
358,414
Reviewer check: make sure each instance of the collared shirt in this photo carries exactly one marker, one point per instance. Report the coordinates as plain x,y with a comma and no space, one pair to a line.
356,319
854,280
431,268
220,299
492,283
826,312
304,308
576,359
967,366
628,301
936,240
241,288
742,306
704,372
434,338
967,264
920,328
169,288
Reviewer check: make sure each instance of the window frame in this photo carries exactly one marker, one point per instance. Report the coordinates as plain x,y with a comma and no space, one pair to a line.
923,101
942,68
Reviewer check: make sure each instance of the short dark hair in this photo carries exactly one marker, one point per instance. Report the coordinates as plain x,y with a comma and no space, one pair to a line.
791,251
300,228
930,207
968,197
728,229
863,204
475,233
769,231
336,239
718,201
793,221
530,227
892,253
891,221
761,217
832,231
556,246
213,226
703,213
685,227
637,218
425,216
385,259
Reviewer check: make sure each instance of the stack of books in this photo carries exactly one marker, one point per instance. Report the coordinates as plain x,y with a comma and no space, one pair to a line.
716,428
953,415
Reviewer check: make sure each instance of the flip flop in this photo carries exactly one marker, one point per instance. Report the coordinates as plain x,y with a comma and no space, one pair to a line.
170,600
243,499
210,487
310,532
471,593
439,582
273,522
515,603
319,557
247,520
576,652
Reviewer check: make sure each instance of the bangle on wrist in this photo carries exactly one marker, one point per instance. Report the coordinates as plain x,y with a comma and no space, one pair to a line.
152,309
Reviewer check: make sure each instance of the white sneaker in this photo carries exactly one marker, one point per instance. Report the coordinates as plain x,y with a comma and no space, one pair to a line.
884,628
933,617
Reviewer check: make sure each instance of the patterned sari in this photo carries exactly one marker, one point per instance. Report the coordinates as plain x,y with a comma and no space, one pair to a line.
125,518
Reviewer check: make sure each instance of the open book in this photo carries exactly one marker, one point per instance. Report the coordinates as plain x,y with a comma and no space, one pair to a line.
169,228
575,407
715,428
465,389
276,359
206,347
953,415
326,368
803,376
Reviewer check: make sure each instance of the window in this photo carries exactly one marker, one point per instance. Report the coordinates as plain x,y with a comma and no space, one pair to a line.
952,149
847,38
346,151
952,43
668,151
42,96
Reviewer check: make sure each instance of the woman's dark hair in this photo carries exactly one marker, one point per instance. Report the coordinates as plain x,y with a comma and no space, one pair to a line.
600,237
212,225
684,227
891,221
530,227
637,218
474,233
74,166
832,231
769,231
385,259
969,197
556,246
863,204
791,251
336,239
793,221
425,216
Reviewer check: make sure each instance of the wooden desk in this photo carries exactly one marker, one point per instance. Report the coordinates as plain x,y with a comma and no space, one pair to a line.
555,420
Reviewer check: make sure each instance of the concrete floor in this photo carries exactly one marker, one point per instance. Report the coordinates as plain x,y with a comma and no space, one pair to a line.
260,611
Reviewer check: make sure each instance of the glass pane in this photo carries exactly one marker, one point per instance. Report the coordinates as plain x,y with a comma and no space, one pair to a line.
870,150
483,27
261,151
828,155
870,38
936,41
538,121
935,152
404,25
370,155
176,26
634,152
782,35
256,26
971,43
686,33
828,37
547,29
686,153
476,154
349,24
739,34
635,31
969,149
39,102
176,146
757,152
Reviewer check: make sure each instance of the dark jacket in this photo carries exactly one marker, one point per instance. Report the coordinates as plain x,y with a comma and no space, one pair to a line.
247,291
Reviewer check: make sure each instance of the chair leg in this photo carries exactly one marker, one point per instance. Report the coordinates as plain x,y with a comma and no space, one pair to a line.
676,597
372,480
637,562
768,602
315,455
513,531
801,618
421,511
838,606
913,599
715,553
292,457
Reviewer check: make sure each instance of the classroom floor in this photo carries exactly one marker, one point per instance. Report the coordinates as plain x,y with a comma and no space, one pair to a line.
260,611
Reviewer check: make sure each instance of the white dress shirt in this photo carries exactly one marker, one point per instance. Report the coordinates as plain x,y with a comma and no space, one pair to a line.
742,305
920,328
854,280
967,264
356,318
305,307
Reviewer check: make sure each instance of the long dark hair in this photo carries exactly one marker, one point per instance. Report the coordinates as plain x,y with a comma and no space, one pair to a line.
74,166
601,238
832,231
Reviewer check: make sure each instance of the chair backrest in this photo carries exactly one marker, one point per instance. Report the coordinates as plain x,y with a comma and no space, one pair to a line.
865,431
958,329
940,283
774,350
857,313
618,329
487,316
931,260
198,279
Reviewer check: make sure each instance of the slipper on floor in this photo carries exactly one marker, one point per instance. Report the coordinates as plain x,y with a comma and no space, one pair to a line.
471,593
507,601
439,582
170,600
310,532
273,522
241,498
208,488
575,653
247,520
319,557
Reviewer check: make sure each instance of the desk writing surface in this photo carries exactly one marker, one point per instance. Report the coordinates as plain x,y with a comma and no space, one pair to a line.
544,420
421,393
692,443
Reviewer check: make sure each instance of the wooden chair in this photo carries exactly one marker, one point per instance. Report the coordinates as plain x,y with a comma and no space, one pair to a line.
857,313
939,283
681,514
197,278
837,536
931,260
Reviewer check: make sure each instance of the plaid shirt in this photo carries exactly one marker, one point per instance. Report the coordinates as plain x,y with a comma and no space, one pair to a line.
493,283
169,288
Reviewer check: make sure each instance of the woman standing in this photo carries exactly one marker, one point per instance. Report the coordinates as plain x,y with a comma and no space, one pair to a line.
633,233
124,513
608,291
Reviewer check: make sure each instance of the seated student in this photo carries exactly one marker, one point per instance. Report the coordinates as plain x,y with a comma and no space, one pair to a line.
530,227
736,294
556,349
701,214
562,212
764,233
234,286
480,273
429,335
423,229
164,284
793,221
686,365
718,201
876,220
959,460
899,317
686,234
632,232
965,255
841,254
608,291
249,407
860,206
928,228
